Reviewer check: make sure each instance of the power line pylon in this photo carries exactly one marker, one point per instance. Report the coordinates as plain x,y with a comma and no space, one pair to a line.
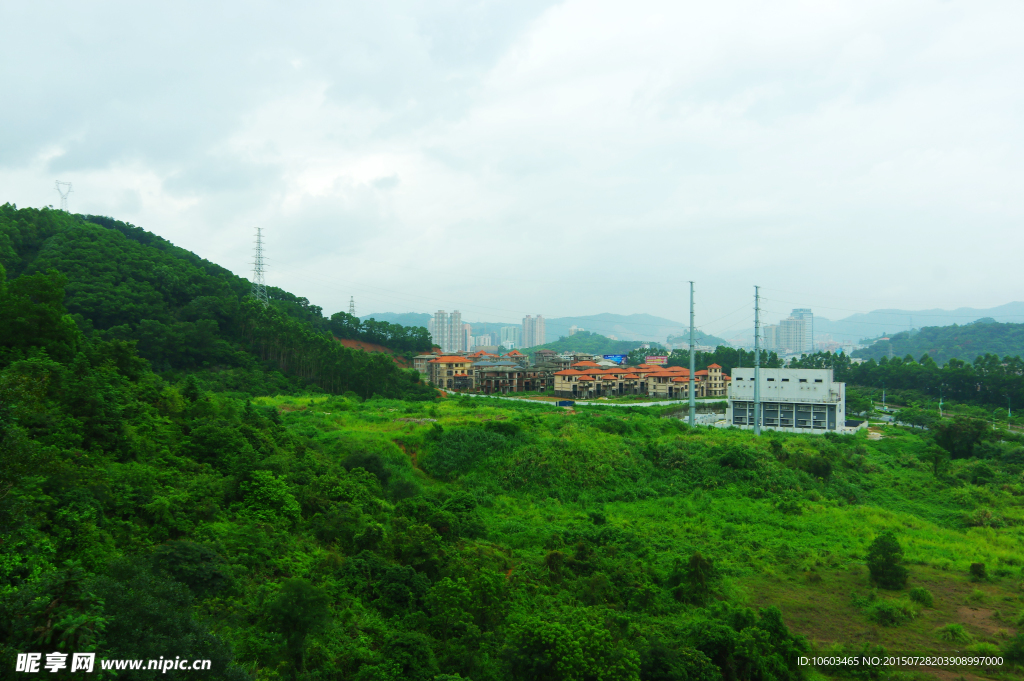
259,282
63,194
352,305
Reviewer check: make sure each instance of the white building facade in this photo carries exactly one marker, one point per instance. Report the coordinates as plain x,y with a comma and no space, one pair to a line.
792,400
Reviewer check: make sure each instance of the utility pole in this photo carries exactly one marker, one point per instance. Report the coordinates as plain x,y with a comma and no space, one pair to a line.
63,188
693,366
352,305
941,388
883,398
757,360
259,283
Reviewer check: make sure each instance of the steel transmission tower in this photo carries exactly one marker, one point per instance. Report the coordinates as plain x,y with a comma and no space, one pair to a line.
259,283
352,305
63,188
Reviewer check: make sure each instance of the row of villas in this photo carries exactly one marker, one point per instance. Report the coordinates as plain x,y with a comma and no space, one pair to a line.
791,400
587,380
490,374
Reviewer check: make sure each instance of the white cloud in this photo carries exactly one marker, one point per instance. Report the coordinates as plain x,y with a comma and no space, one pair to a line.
505,158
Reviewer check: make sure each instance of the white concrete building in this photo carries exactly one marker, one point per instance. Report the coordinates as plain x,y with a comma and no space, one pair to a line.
792,400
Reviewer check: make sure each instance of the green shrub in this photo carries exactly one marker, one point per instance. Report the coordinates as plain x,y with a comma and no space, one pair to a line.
884,557
892,613
922,596
954,633
984,649
1013,650
454,452
977,572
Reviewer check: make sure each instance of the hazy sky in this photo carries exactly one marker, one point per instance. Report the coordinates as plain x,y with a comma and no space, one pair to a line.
516,157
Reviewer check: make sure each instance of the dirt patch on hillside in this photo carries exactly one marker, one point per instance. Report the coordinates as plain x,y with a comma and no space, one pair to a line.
979,618
372,347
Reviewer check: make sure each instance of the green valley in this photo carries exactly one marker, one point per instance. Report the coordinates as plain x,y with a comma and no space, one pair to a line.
186,473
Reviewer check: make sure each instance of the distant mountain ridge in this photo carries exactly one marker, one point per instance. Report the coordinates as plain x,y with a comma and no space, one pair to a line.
877,322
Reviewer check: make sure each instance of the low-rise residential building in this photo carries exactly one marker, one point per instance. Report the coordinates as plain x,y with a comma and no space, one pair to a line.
419,363
453,372
792,400
588,380
544,356
517,357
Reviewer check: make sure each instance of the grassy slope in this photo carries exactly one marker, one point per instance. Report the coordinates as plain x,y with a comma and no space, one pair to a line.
810,563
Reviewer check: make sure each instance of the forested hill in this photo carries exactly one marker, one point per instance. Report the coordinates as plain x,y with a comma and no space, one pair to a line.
588,342
942,343
186,314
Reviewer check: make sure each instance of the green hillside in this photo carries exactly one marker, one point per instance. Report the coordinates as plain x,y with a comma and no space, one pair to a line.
699,338
590,343
943,343
186,314
354,526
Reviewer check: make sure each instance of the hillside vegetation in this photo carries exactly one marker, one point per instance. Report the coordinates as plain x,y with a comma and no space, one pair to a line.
588,342
943,343
185,314
354,525
319,537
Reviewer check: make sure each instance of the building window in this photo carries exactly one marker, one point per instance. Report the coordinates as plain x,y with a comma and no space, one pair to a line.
771,379
785,380
817,380
803,380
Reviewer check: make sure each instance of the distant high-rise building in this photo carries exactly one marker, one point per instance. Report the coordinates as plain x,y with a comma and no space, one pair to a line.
484,341
511,337
791,335
533,331
807,342
446,330
573,330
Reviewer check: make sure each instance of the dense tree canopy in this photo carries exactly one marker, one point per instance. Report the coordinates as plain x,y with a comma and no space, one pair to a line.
183,313
943,343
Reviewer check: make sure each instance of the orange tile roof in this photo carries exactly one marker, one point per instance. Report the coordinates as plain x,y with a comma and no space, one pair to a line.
568,372
514,353
681,379
584,377
702,372
726,377
714,366
449,359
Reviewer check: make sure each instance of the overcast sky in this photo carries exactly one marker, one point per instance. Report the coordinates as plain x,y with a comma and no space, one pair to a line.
523,157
